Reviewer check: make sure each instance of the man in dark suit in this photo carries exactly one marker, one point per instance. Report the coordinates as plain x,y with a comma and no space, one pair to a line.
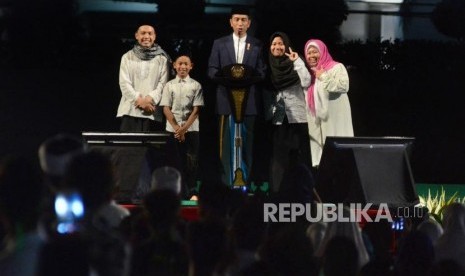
239,47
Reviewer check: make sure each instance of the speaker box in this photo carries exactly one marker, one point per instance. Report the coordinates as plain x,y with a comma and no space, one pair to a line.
135,156
367,170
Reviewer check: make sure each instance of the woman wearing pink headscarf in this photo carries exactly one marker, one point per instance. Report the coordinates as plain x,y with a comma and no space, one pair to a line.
328,104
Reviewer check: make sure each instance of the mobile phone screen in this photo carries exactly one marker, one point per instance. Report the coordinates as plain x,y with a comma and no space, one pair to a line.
398,224
69,209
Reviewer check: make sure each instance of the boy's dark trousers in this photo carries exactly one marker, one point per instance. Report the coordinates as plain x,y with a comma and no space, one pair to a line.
184,157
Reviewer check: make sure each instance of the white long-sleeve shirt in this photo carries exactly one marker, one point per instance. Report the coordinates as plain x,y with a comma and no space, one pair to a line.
141,78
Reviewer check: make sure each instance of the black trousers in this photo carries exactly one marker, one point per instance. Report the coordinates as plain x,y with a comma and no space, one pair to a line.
184,157
135,124
286,138
141,162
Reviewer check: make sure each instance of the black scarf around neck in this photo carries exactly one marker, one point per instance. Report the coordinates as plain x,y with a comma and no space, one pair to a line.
283,74
148,53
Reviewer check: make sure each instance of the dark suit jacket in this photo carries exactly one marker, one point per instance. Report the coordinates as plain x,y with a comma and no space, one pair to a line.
223,54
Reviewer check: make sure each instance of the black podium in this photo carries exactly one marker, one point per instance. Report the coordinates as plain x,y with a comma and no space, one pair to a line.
134,155
237,78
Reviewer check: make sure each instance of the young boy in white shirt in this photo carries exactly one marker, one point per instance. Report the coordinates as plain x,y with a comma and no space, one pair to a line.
181,100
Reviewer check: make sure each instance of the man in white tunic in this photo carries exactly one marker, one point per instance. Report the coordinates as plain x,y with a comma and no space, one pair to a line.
143,73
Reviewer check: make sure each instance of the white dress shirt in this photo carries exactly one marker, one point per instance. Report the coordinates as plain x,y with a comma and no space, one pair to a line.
239,47
182,95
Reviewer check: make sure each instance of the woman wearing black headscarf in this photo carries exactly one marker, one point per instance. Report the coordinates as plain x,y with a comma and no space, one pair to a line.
289,80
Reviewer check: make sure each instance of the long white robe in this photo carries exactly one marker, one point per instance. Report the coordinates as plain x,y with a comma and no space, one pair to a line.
332,106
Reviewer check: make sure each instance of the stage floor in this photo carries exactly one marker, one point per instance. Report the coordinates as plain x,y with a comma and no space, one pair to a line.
190,211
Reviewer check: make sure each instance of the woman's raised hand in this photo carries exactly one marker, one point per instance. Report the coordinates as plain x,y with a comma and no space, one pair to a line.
292,55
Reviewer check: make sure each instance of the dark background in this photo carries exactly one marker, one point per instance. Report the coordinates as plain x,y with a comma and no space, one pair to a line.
59,73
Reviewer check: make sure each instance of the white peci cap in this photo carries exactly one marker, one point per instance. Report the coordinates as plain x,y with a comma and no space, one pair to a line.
167,178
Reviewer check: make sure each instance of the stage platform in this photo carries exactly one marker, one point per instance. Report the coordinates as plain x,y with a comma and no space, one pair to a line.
190,210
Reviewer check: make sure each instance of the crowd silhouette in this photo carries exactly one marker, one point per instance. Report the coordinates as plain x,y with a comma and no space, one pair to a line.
229,236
